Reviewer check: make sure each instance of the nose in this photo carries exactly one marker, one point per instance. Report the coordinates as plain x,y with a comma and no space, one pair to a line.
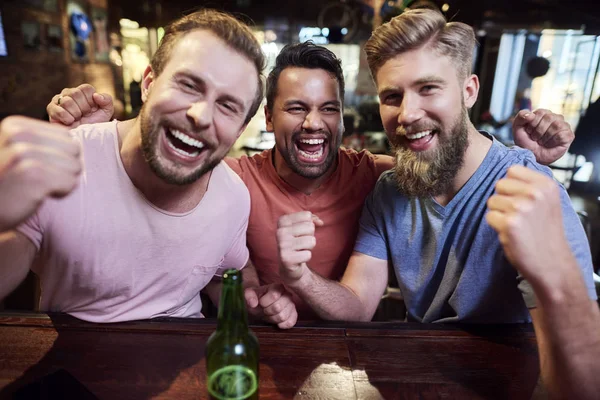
313,122
410,111
201,113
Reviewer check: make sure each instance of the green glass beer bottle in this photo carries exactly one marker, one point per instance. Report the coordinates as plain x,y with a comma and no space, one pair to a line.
232,350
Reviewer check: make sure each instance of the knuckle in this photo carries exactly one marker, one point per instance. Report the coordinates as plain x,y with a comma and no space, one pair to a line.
277,308
20,152
557,125
11,126
537,193
282,221
61,114
86,88
31,171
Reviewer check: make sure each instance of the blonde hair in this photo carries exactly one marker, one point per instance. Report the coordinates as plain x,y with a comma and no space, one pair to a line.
415,29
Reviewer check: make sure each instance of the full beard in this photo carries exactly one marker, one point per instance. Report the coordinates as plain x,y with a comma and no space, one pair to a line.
305,170
427,175
172,175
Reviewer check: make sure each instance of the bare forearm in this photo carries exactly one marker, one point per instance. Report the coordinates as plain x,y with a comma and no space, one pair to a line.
16,255
250,276
331,300
569,338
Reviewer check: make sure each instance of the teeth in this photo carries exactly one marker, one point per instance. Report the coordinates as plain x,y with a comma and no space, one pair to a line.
418,135
312,141
186,139
183,152
313,156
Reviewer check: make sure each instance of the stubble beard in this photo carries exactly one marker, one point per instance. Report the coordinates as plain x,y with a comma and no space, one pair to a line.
150,130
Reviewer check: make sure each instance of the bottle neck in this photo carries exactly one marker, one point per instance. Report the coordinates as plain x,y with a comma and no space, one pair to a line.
232,305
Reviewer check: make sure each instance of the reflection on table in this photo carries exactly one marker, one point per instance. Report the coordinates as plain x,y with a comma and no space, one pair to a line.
165,359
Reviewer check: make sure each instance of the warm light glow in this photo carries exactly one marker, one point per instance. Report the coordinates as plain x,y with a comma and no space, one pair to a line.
127,23
270,36
445,7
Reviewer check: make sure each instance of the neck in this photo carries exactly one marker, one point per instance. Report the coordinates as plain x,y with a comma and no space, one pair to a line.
478,147
168,197
300,183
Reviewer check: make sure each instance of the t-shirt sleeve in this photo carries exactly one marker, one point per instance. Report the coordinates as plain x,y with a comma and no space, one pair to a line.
382,163
33,230
578,243
234,164
371,240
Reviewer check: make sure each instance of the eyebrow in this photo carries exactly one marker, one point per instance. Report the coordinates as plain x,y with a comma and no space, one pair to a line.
200,82
429,79
335,103
420,81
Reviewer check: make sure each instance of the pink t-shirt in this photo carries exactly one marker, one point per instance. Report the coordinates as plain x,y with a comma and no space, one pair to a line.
106,254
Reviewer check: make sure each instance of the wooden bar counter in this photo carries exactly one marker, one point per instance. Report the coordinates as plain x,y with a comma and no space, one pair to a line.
164,358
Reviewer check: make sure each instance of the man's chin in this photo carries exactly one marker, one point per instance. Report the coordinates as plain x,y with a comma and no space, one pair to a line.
174,176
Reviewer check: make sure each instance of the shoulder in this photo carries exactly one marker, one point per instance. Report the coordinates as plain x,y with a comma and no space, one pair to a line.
504,157
96,133
365,161
246,164
386,188
228,181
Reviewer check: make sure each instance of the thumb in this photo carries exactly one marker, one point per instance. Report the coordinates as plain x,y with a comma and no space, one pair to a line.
104,101
523,117
316,220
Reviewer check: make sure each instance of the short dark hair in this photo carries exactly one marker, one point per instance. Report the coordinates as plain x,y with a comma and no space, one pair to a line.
304,55
236,34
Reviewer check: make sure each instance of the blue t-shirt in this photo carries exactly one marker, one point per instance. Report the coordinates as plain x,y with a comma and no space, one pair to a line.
449,262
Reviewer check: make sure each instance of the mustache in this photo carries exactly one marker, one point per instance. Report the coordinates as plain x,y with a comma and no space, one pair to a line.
296,135
403,131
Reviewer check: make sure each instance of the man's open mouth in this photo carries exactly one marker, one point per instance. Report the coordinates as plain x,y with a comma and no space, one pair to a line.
184,144
311,150
418,141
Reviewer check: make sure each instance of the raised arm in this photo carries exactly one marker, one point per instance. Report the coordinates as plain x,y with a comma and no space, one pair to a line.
355,298
524,211
543,132
17,253
37,160
79,106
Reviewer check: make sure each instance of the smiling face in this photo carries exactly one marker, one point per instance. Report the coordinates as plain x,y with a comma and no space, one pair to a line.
423,106
306,118
196,108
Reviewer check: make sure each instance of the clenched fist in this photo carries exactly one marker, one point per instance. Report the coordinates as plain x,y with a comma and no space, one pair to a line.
37,160
79,106
543,132
526,212
295,240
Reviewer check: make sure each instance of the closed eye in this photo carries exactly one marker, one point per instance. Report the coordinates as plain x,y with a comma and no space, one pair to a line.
429,88
187,84
392,98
